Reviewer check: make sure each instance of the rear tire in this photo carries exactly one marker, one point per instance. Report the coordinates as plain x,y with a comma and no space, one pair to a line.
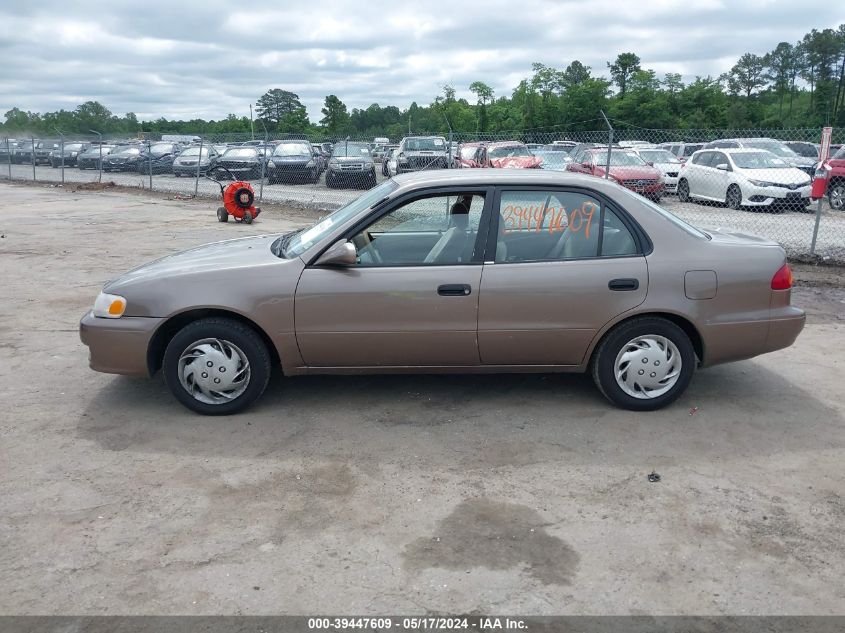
238,339
247,219
659,380
683,191
222,214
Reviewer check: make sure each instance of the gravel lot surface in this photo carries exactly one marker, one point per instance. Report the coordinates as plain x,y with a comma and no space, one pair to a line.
400,494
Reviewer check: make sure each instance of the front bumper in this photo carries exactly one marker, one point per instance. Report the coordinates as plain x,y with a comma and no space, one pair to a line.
118,346
754,196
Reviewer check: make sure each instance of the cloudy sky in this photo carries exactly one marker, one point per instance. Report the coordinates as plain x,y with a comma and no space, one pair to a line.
187,58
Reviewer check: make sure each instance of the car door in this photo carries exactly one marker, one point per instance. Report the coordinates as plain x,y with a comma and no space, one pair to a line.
719,179
412,298
696,173
560,264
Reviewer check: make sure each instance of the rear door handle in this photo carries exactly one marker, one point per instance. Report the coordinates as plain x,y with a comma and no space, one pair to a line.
454,290
623,284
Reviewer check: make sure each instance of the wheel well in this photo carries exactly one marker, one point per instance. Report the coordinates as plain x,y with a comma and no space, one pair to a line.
158,344
683,323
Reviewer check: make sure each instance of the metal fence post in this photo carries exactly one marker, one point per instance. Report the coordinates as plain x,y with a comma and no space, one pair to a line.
816,227
100,177
9,151
32,156
609,145
263,165
150,162
62,150
199,162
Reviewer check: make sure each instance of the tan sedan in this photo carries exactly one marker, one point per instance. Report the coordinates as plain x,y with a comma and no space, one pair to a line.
454,271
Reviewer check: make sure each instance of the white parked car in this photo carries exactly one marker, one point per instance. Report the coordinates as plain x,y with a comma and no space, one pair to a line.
668,164
744,178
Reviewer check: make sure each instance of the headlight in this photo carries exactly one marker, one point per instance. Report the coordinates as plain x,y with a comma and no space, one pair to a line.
109,306
761,183
310,163
271,165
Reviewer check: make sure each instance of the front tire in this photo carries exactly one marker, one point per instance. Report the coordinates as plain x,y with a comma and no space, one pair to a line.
733,198
216,366
222,214
836,196
644,364
683,191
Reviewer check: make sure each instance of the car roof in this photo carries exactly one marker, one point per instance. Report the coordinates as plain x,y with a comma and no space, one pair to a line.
491,177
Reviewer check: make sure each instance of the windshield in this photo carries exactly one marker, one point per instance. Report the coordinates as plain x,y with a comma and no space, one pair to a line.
757,160
130,151
771,146
194,151
508,151
240,152
161,150
73,147
426,144
659,156
294,244
350,149
467,153
96,150
293,149
618,159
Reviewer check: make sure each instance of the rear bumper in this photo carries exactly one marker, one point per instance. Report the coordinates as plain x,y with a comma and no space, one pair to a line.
118,346
727,342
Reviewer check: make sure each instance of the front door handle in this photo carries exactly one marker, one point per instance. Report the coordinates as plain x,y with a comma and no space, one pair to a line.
623,284
454,290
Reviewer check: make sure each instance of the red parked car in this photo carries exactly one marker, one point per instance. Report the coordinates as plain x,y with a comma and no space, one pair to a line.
626,168
836,180
501,154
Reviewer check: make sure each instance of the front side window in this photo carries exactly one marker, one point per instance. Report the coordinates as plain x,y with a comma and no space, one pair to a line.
431,231
552,225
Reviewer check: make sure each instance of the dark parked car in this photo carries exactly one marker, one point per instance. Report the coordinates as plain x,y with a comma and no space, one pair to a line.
351,165
293,160
185,163
243,162
123,159
158,158
7,149
802,148
43,152
90,158
70,153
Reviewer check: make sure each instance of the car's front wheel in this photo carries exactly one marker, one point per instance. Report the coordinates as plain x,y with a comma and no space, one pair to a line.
216,366
733,197
683,191
836,195
644,364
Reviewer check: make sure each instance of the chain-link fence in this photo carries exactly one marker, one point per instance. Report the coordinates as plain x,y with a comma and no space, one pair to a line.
754,181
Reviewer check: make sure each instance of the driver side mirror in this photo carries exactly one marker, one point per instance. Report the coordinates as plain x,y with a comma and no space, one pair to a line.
722,166
340,253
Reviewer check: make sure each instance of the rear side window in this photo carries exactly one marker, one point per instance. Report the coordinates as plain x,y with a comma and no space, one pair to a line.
558,225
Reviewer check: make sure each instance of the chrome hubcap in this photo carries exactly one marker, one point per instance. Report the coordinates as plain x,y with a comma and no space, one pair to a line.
837,197
214,371
647,366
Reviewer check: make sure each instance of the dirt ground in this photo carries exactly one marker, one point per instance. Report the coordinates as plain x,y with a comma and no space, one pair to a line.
523,494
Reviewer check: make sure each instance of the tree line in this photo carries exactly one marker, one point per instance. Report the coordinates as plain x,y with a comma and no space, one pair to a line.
795,85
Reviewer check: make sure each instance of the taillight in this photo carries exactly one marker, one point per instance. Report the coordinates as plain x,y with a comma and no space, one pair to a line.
782,279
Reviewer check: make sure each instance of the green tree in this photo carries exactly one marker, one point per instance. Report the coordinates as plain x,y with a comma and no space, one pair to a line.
622,70
747,75
484,95
335,116
276,104
576,73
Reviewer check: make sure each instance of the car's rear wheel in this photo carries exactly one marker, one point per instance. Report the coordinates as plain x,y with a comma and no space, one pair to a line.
683,191
733,198
644,364
216,366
